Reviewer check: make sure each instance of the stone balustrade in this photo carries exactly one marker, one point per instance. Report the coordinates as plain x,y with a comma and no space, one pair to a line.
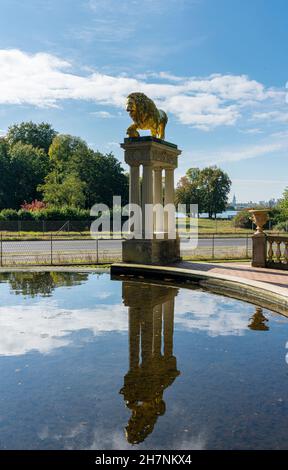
277,252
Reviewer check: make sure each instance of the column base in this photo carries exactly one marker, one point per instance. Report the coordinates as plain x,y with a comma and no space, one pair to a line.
158,252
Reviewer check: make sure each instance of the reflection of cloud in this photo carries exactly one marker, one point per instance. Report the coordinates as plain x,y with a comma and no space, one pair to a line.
44,326
106,439
218,316
117,441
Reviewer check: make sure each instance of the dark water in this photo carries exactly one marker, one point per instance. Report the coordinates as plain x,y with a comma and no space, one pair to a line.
90,363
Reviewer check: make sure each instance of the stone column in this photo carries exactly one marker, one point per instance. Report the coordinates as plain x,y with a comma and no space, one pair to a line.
134,186
147,198
158,198
169,194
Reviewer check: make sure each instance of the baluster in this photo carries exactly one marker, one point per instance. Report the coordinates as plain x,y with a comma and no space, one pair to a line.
278,251
270,250
286,252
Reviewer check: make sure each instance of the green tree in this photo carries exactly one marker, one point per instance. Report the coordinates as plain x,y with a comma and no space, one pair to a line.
215,186
283,206
189,190
102,175
63,190
38,135
29,166
6,183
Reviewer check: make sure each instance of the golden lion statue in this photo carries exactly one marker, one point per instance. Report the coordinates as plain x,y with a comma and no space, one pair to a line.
146,116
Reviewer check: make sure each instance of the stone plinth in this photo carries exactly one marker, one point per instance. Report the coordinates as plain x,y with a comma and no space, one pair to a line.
151,251
259,249
158,160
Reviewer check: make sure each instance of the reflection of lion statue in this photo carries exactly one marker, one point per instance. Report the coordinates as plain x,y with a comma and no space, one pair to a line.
146,116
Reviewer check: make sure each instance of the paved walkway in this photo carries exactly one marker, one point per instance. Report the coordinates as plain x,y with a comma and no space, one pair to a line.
274,277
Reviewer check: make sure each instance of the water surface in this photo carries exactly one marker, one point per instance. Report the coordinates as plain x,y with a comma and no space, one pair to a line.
91,363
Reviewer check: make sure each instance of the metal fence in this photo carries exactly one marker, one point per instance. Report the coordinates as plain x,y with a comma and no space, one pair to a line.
56,250
70,226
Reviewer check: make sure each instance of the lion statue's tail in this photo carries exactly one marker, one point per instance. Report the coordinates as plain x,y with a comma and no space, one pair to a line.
162,124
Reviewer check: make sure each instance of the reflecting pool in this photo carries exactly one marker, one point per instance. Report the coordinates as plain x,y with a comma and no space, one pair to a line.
91,363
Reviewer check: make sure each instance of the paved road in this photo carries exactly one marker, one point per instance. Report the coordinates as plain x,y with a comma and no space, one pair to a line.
43,246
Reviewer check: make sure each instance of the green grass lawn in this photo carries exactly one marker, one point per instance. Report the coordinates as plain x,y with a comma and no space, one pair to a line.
205,227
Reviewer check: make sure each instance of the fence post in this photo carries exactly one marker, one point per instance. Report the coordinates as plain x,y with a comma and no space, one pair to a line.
51,249
97,251
213,246
1,250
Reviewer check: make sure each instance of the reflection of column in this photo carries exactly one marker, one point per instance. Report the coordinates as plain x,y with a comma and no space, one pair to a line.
168,327
134,187
157,330
146,336
149,376
169,193
134,337
147,198
158,198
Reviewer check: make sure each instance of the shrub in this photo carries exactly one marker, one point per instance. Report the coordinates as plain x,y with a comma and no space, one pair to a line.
34,206
9,214
282,226
25,215
243,219
63,213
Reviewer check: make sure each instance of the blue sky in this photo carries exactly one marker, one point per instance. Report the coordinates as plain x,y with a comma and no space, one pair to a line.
218,67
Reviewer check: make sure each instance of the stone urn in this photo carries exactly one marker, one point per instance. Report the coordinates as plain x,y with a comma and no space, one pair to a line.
259,217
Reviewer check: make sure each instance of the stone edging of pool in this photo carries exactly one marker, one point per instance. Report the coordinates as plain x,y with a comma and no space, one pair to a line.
263,294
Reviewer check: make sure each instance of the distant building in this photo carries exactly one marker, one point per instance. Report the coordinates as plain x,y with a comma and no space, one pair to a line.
234,202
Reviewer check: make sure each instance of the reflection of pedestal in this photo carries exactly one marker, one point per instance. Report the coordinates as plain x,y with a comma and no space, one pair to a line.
159,243
258,321
152,366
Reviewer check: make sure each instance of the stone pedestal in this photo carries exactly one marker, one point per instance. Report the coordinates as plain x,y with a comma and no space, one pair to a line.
259,239
259,250
151,251
158,160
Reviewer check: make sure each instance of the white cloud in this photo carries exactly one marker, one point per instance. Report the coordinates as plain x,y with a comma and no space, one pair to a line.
102,114
277,116
233,154
255,130
44,80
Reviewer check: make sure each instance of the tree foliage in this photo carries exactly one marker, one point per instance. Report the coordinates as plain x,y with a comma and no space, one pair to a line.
209,188
96,177
35,161
38,135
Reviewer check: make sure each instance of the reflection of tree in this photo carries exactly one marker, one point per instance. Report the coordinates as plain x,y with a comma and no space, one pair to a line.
151,311
43,283
258,321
